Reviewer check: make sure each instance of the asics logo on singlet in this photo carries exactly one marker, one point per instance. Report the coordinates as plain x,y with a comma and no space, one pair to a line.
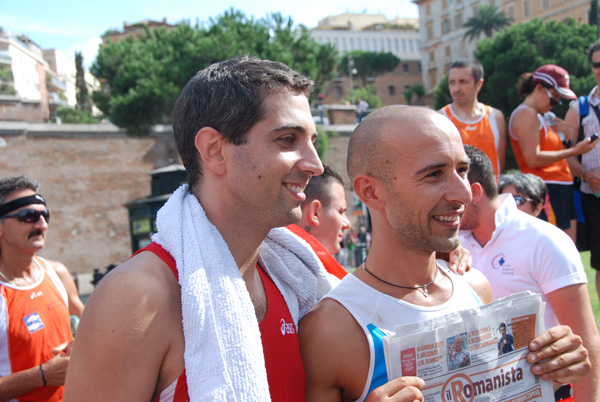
287,328
35,294
470,128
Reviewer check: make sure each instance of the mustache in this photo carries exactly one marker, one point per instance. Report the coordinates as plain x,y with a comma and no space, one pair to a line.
36,232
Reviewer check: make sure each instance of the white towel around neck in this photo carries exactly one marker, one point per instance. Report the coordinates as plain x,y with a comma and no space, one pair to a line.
223,351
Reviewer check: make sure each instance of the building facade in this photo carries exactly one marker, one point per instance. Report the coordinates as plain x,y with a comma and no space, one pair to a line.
442,33
373,33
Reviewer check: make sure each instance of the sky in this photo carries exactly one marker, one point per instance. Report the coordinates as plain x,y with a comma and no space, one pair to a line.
77,25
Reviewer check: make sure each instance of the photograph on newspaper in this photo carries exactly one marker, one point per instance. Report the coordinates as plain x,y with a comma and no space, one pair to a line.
473,355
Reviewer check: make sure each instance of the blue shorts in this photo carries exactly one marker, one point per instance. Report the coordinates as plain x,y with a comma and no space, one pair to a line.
561,199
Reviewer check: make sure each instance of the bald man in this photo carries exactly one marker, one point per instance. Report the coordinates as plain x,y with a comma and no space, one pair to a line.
408,165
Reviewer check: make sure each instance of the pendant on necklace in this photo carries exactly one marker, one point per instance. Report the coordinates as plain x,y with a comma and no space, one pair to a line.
425,292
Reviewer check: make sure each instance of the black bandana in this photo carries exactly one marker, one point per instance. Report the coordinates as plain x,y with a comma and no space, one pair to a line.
5,209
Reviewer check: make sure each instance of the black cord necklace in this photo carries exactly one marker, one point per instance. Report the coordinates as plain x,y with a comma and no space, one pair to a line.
422,289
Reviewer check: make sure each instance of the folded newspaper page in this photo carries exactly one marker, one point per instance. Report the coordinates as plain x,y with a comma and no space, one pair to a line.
473,355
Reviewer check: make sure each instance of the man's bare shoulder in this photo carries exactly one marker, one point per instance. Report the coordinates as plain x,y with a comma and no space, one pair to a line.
335,353
135,280
480,284
131,329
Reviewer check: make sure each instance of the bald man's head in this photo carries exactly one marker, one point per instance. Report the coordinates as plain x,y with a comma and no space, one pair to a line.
369,149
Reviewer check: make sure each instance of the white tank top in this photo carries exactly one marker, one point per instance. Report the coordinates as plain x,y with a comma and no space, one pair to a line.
378,314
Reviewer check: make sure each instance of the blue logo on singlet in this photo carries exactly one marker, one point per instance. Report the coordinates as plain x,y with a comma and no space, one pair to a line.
33,322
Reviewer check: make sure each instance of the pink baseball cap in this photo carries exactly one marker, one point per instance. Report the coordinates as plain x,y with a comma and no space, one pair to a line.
555,76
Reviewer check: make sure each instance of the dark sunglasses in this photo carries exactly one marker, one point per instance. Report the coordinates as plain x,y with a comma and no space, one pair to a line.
595,65
553,100
30,215
522,200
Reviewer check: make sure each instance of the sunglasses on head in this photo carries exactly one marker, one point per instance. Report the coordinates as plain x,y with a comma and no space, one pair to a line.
553,100
30,215
595,64
522,200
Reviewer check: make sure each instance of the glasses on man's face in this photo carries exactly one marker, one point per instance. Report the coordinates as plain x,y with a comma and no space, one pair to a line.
522,200
553,100
595,64
30,215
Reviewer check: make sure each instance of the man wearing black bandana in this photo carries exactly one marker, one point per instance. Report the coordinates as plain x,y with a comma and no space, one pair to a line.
35,334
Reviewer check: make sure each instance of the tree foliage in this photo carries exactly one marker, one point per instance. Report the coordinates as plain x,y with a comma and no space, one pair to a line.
75,116
366,93
369,64
141,77
487,20
82,95
525,47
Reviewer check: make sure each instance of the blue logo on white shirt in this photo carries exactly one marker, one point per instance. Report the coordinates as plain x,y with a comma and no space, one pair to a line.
33,322
498,261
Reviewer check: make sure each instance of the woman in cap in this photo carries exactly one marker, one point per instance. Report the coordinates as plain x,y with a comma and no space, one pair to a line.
537,146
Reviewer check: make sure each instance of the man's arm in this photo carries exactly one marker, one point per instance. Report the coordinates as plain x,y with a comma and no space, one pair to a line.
17,384
129,331
336,356
501,123
572,307
75,304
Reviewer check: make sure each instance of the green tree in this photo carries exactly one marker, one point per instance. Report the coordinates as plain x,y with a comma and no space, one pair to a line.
525,47
369,64
141,77
367,94
75,116
441,94
487,20
408,95
83,98
419,90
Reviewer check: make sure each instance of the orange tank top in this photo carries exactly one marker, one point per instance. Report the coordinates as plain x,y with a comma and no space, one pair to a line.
482,133
37,320
554,173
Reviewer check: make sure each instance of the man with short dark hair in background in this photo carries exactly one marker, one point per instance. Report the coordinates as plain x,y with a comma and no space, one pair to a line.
324,218
479,125
35,332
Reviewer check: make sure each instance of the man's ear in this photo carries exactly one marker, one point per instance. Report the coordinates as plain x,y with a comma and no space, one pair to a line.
477,191
313,209
209,144
369,191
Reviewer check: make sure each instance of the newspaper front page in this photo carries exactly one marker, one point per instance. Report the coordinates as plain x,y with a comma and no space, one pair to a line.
473,355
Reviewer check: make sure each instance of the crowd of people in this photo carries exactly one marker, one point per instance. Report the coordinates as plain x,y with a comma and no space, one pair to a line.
239,296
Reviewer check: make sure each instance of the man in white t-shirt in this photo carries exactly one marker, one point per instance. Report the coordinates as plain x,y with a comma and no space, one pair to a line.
518,252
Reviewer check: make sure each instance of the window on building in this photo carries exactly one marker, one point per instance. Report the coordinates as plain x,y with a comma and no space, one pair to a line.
389,45
418,44
351,40
374,43
344,47
445,26
431,57
381,47
458,1
392,90
447,51
396,46
410,46
339,92
366,44
432,78
510,11
458,22
475,7
336,43
429,31
444,4
428,9
526,8
359,43
545,4
403,45
405,67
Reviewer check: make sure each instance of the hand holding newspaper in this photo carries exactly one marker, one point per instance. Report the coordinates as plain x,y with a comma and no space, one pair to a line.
473,355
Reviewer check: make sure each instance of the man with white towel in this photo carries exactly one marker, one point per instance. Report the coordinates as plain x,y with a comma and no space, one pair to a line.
209,310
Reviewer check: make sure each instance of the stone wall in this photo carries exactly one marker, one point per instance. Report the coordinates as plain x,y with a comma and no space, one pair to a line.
87,173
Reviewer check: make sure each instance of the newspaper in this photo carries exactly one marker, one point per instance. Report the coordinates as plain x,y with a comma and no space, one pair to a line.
473,355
